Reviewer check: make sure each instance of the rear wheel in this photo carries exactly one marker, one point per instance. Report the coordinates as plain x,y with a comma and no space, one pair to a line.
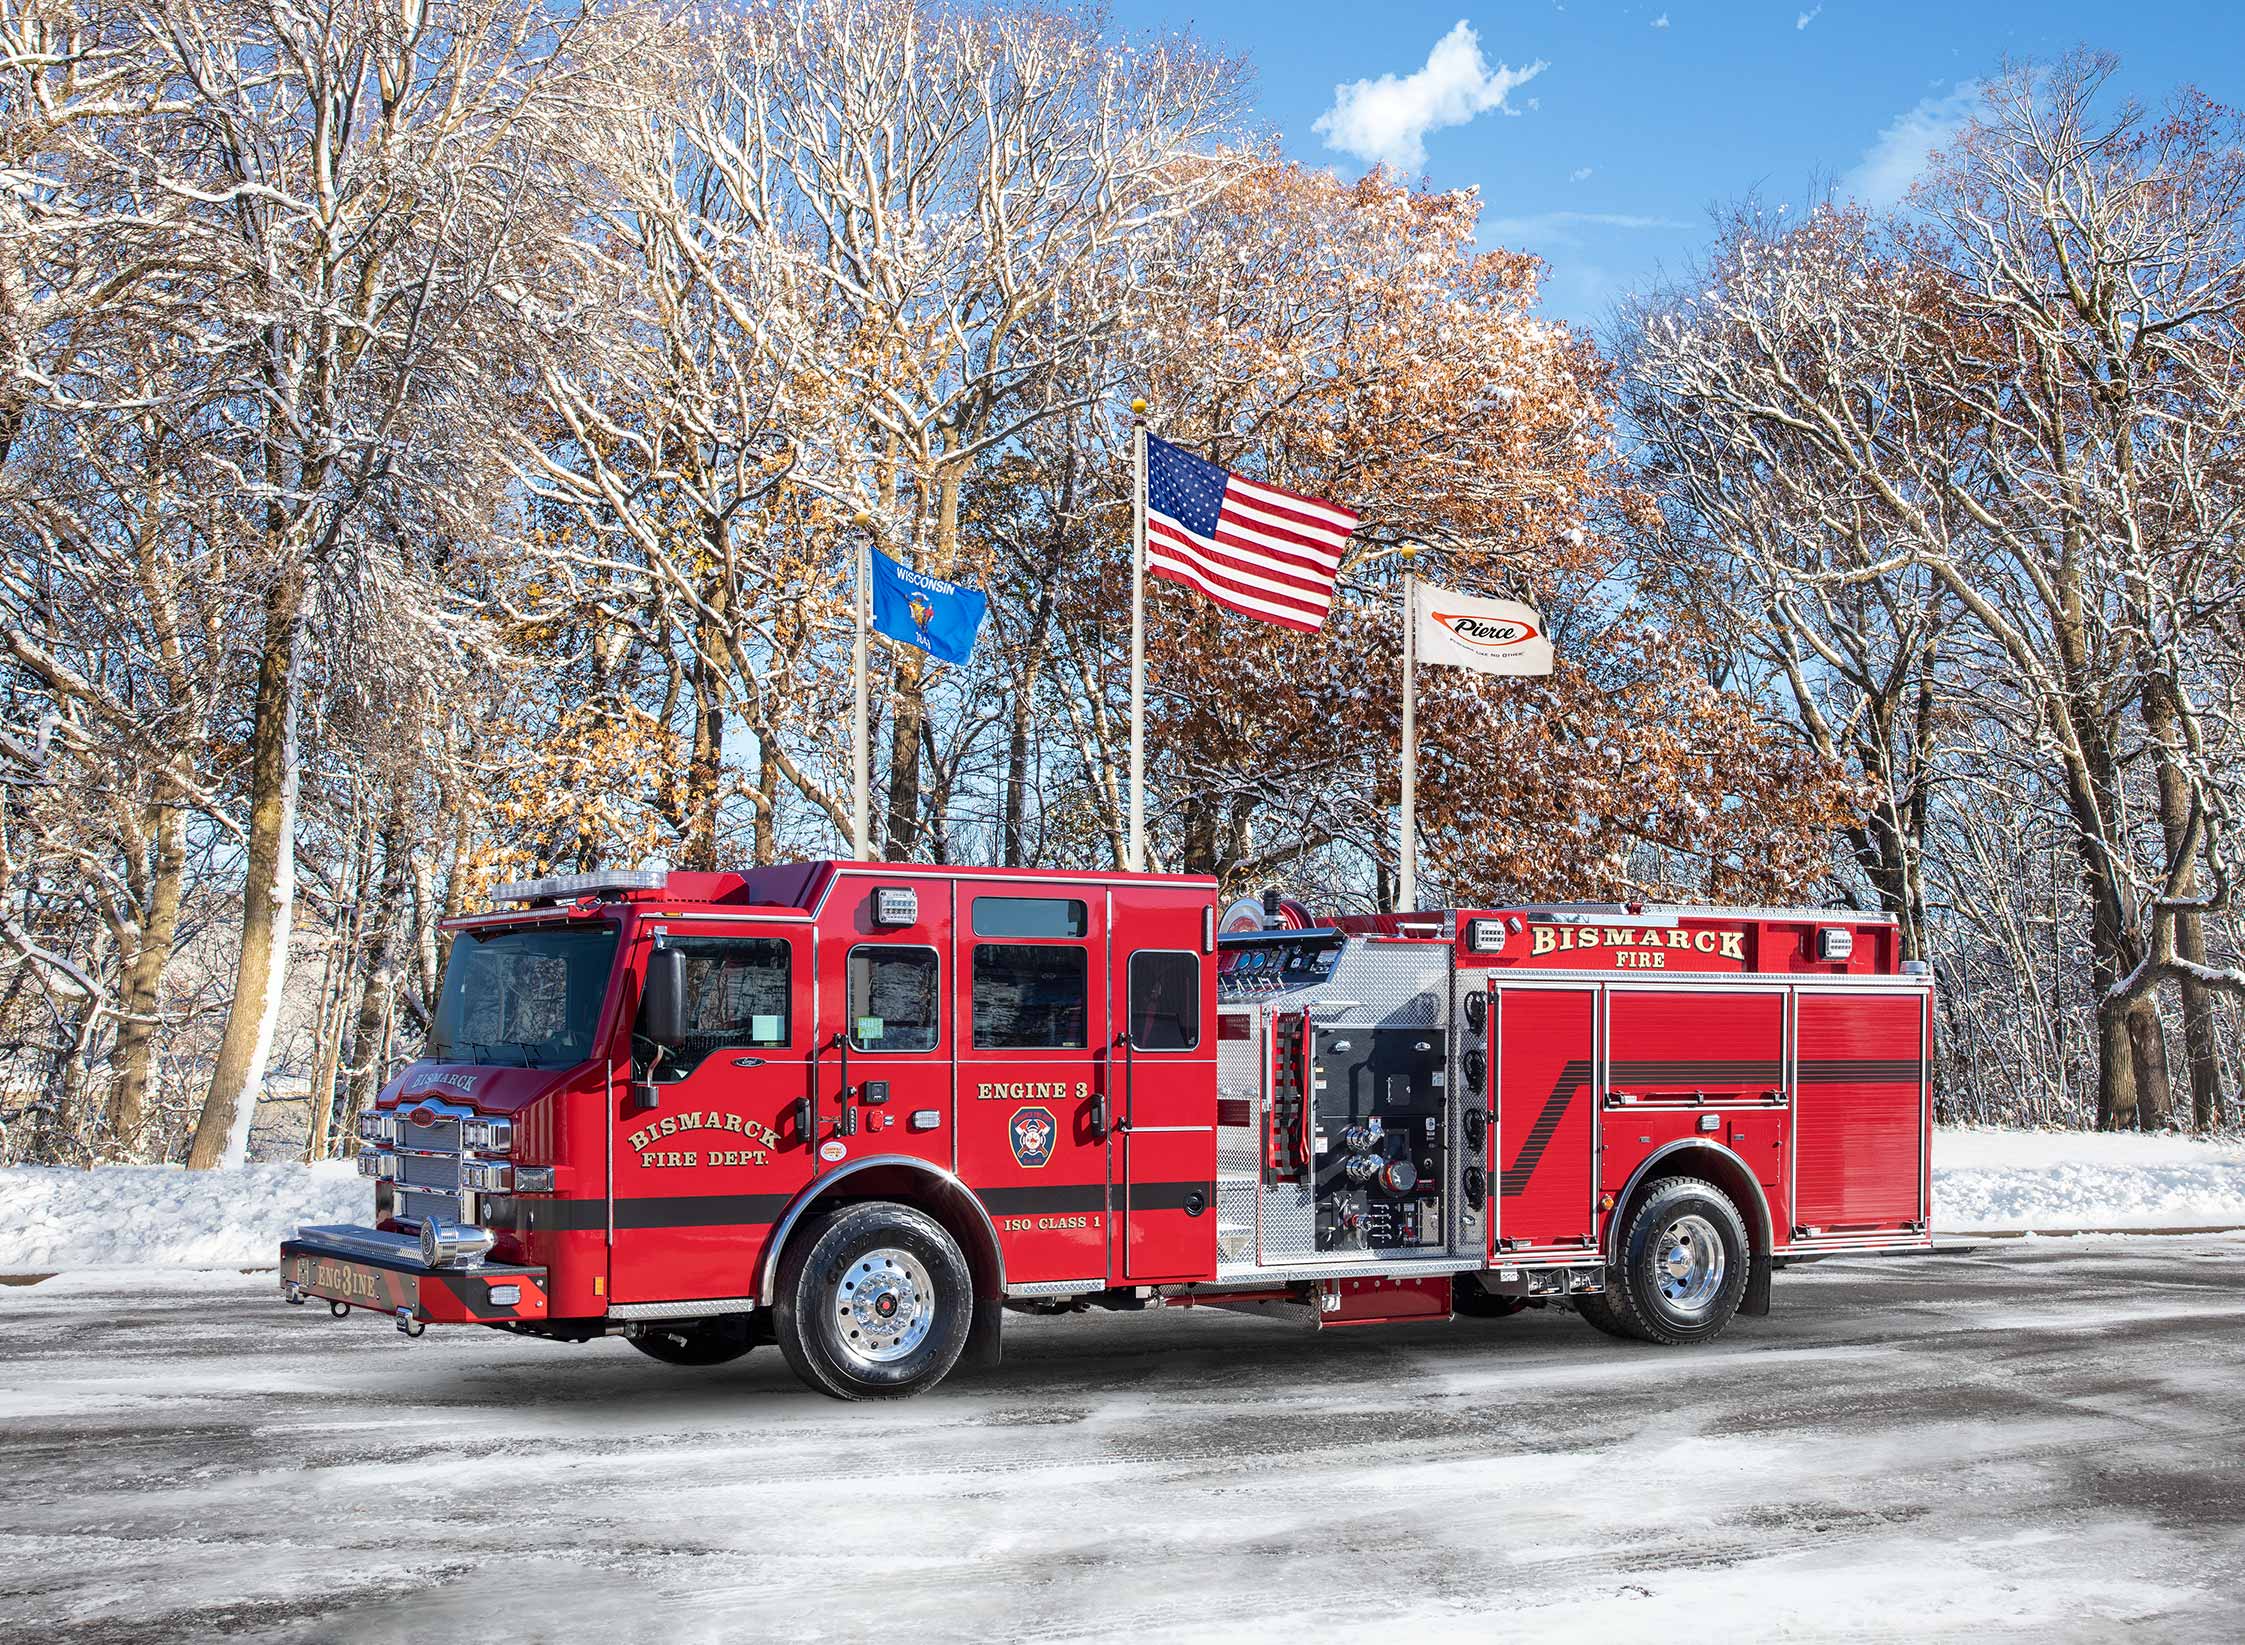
874,1302
1681,1269
699,1342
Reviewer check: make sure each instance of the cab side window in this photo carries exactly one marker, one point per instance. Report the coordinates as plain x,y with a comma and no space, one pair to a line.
1030,996
893,998
737,997
1164,1001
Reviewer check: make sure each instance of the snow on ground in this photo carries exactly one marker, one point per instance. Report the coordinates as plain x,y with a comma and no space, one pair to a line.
2030,1444
137,1216
128,1216
1995,1180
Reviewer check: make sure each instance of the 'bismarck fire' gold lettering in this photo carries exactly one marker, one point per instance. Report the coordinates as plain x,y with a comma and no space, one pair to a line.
1631,942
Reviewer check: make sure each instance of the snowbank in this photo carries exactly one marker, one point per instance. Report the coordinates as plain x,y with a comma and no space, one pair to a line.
136,1216
1990,1181
133,1216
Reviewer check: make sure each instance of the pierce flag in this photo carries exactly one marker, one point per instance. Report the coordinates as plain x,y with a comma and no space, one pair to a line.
1493,636
939,617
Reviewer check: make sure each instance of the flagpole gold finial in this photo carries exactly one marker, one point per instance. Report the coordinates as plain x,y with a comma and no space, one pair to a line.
1138,408
1409,551
861,519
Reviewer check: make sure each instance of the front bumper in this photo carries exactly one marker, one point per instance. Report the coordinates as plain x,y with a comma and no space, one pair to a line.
383,1272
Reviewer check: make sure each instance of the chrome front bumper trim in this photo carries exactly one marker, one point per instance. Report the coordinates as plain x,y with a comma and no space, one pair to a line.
348,1239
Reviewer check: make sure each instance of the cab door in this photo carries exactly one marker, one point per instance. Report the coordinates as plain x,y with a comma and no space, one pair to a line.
1164,988
705,1149
882,1068
1034,1061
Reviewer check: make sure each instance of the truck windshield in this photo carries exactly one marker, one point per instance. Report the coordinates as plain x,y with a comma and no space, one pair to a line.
529,997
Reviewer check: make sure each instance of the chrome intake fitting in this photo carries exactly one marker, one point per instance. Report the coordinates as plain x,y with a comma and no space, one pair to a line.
449,1244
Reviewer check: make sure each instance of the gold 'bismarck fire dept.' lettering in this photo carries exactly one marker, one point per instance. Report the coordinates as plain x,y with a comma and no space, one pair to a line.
762,1138
1639,947
1027,1090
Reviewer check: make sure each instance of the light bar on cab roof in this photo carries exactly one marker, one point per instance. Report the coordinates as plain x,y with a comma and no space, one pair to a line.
556,887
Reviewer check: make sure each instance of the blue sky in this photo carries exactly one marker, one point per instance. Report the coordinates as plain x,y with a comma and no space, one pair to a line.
1606,160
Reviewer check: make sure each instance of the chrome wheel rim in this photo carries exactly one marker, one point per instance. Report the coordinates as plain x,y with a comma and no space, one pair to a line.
884,1306
1688,1264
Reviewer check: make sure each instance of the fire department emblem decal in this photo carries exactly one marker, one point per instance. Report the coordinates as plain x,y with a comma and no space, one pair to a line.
1033,1132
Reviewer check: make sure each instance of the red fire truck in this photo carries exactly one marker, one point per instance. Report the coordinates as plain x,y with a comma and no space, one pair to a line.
860,1109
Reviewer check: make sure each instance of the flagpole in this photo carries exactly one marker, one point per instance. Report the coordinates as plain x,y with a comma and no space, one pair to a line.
1407,891
1136,858
861,801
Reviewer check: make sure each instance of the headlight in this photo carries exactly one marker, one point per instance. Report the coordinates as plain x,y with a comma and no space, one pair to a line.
533,1179
378,1127
380,1166
482,1136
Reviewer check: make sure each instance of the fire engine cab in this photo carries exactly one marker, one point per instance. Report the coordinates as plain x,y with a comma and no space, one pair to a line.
860,1109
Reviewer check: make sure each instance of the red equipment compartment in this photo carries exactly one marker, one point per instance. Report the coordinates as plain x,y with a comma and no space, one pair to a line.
1859,1160
1543,1044
1382,1301
1697,1045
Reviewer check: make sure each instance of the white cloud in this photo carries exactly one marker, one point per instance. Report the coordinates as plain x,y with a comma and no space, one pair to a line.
1561,229
1661,21
1386,120
1890,165
1581,174
1808,17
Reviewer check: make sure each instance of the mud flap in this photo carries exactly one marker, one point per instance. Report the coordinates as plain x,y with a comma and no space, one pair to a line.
985,1348
1756,1299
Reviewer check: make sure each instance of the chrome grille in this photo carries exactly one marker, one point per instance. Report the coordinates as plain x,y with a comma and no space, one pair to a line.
412,1207
429,1171
440,1138
424,1161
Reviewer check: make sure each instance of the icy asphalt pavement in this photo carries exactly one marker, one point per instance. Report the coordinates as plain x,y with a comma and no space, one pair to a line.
2042,1440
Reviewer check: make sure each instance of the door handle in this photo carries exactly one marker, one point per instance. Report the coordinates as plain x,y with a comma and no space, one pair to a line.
803,1119
1098,1113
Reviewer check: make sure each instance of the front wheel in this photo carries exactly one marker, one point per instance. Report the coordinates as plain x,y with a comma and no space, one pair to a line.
1681,1268
874,1302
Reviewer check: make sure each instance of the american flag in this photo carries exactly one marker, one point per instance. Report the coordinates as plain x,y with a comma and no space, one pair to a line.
1249,547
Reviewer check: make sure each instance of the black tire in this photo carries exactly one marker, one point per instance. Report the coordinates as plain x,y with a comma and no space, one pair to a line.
874,1301
1681,1267
1467,1298
1594,1307
698,1342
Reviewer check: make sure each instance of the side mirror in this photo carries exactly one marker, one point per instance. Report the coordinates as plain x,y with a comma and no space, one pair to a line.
662,1007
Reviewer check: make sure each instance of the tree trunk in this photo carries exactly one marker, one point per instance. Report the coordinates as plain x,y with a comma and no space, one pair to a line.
705,766
135,1053
766,842
268,889
908,706
2201,1040
2147,1046
378,975
2116,1075
337,979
